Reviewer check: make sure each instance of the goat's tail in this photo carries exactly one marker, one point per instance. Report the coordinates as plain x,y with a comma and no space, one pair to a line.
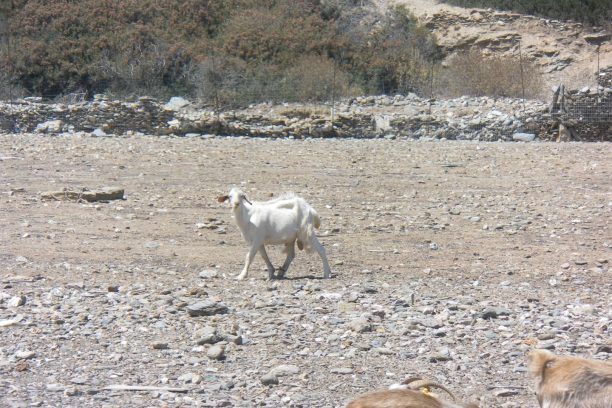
310,222
316,220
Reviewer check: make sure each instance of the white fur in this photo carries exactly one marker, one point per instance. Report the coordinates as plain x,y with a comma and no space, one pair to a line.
282,221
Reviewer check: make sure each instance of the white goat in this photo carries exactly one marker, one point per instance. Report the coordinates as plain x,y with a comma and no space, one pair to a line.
285,220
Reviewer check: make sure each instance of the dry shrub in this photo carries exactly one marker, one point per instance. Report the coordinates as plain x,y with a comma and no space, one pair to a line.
315,78
475,74
302,111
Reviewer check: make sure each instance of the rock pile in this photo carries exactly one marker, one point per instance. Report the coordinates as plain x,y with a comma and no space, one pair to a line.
99,116
583,114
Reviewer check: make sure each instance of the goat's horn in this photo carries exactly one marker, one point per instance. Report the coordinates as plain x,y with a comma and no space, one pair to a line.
415,385
409,380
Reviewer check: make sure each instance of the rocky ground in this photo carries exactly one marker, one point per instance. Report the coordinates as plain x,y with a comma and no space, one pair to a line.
450,260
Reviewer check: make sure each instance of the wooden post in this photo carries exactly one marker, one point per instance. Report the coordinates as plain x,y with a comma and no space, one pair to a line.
555,98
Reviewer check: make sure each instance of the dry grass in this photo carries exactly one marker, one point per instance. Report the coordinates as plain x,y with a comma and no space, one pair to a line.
476,74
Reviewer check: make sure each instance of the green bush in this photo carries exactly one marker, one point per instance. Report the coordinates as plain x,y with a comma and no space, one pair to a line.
233,52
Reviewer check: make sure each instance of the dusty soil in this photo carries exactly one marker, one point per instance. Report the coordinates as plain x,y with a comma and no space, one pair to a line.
450,260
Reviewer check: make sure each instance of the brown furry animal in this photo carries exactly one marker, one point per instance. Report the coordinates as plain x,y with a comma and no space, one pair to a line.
571,382
415,396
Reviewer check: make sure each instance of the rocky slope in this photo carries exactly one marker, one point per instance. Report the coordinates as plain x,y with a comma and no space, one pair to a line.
565,51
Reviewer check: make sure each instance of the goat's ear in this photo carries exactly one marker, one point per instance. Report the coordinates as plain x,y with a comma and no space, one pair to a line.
222,198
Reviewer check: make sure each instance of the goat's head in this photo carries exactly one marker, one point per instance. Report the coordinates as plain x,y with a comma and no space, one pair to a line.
590,380
235,198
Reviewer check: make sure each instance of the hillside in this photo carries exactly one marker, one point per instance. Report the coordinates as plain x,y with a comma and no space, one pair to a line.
239,52
565,51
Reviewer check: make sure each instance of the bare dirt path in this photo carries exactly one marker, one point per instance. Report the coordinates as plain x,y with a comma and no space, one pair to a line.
449,260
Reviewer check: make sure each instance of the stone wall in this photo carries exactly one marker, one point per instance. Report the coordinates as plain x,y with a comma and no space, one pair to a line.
584,114
404,116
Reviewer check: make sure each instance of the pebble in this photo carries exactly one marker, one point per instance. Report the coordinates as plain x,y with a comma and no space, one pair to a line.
159,346
16,301
494,312
208,274
442,354
206,308
216,352
361,325
285,370
269,379
342,370
25,354
505,392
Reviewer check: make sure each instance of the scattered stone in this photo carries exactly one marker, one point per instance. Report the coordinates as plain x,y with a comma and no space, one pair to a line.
285,370
207,335
51,126
442,354
523,137
269,379
505,392
494,312
104,194
16,301
98,133
216,352
159,345
208,274
176,103
361,325
25,354
206,308
342,370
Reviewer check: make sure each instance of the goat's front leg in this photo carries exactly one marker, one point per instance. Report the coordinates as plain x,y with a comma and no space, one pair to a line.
264,255
247,263
290,249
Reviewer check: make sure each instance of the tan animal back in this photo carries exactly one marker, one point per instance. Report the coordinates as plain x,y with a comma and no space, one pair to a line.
571,382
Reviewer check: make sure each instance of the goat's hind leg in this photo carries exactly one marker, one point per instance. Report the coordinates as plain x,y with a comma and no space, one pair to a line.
264,255
314,242
290,249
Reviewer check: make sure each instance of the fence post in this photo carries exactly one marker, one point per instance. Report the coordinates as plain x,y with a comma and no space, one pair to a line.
9,52
598,70
333,95
522,73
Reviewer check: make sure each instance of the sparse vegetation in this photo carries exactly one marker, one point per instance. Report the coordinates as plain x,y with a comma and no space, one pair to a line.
227,52
476,74
595,12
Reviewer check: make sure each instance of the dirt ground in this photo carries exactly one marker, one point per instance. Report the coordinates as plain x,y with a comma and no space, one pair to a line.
449,260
